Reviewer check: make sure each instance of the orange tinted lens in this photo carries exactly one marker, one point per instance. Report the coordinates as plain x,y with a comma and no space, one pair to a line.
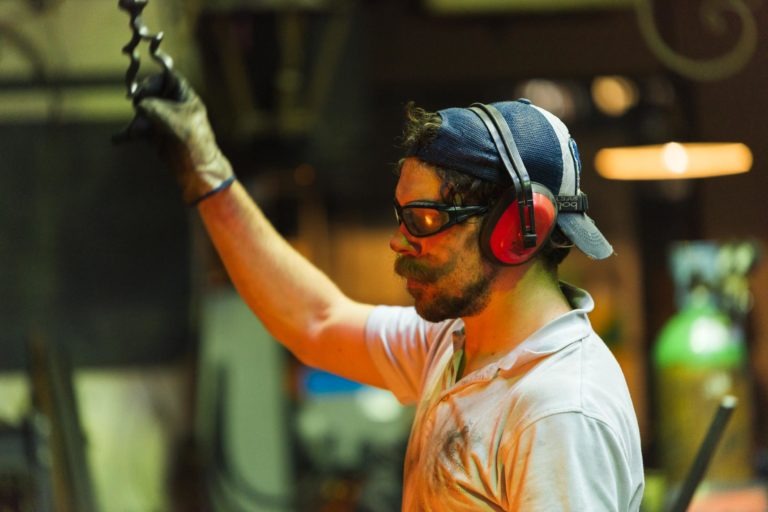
424,221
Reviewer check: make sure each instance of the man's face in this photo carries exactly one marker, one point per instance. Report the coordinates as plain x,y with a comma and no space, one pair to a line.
445,272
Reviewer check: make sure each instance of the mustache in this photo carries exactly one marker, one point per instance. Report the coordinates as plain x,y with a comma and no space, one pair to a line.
410,268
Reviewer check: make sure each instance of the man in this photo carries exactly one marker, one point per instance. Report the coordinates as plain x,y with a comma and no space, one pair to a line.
520,405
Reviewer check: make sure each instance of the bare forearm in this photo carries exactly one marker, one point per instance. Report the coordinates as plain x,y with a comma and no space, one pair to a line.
296,302
290,295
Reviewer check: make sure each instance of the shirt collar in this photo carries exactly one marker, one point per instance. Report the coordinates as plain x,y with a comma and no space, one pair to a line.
552,337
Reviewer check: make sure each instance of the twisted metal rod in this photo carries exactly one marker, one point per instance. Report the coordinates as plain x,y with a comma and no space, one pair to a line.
141,33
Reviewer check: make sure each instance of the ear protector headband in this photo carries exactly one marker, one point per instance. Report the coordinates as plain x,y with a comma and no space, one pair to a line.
524,217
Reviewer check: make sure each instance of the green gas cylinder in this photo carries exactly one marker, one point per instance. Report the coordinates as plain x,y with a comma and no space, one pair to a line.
699,357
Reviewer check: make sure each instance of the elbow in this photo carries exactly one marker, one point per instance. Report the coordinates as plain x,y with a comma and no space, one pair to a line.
306,341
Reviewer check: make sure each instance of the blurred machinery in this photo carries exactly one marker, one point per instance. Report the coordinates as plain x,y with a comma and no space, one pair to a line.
701,356
43,467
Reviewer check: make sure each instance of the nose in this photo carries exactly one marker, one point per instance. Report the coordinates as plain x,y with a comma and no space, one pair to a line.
402,244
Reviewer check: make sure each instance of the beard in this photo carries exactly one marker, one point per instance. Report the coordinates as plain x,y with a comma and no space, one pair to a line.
463,293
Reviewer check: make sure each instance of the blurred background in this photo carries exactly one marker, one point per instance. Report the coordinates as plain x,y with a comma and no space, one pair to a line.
132,378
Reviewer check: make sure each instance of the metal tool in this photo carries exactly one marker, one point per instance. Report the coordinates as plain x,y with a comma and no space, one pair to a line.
705,453
142,33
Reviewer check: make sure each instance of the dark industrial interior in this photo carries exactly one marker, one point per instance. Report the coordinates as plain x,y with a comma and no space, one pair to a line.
133,379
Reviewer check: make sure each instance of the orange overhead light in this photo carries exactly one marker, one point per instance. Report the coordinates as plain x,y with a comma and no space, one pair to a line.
614,95
673,161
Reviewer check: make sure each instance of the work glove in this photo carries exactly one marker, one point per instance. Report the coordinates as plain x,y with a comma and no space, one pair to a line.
169,112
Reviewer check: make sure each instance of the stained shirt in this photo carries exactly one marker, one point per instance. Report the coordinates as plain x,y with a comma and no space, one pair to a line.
550,426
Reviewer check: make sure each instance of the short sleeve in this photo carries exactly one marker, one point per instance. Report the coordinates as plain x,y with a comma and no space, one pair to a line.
398,341
569,461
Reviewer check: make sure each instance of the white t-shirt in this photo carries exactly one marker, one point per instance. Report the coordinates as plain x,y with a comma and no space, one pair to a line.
549,427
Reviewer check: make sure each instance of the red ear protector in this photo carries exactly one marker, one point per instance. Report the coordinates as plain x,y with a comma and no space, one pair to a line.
524,217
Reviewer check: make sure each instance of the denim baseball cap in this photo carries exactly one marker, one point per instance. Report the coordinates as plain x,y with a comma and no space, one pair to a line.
550,155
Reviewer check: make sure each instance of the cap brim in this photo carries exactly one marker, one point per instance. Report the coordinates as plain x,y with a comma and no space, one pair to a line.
581,230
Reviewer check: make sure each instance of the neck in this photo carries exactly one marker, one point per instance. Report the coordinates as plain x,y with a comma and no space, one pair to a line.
523,300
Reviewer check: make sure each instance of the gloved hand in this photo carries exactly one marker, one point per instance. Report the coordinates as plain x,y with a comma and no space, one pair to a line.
171,113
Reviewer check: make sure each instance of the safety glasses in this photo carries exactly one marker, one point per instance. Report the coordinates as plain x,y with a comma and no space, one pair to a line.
425,218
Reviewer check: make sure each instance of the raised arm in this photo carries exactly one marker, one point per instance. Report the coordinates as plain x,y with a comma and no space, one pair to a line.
298,304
